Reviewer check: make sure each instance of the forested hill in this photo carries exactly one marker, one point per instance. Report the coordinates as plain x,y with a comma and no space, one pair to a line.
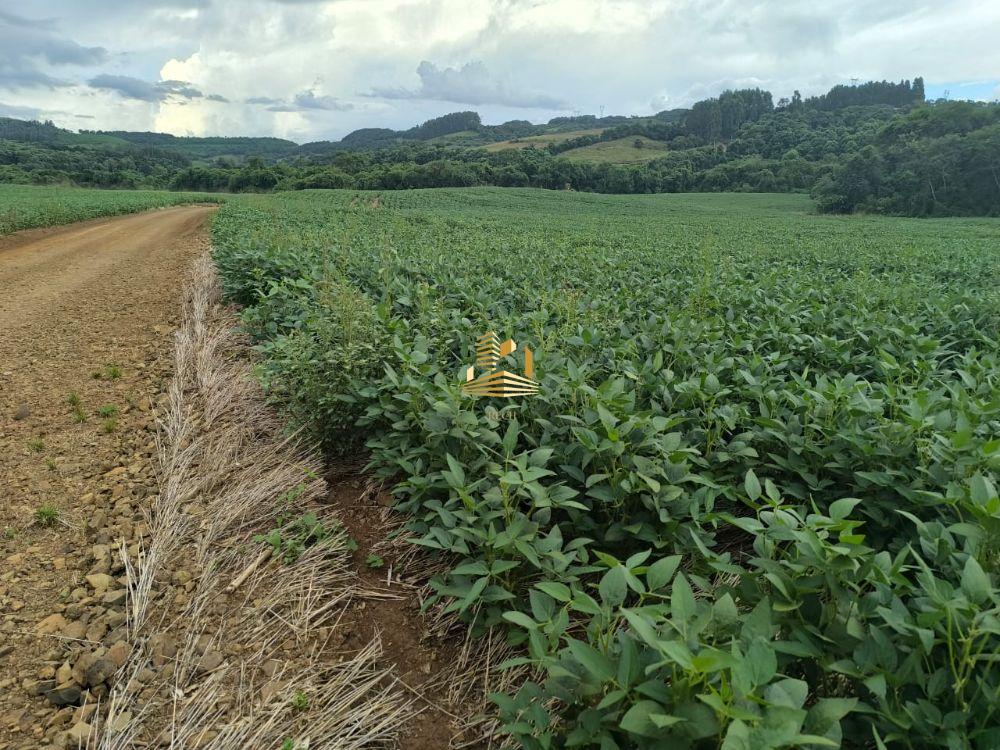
271,149
874,147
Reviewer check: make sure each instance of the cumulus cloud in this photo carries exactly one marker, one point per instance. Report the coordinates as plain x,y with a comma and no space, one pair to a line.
31,48
470,84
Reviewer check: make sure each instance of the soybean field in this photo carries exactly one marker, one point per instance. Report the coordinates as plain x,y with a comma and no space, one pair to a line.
28,207
754,503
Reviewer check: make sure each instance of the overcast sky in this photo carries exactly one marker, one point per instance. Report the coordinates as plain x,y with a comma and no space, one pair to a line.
317,69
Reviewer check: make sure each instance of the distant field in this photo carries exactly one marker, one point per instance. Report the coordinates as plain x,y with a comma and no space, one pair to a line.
621,151
28,206
759,479
539,141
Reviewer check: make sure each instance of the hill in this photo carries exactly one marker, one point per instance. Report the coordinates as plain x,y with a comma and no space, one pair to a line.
874,147
204,148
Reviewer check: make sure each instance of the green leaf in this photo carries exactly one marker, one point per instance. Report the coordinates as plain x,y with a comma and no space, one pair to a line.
637,720
596,663
975,583
840,509
662,721
982,489
519,618
659,573
613,586
788,693
827,712
457,472
682,604
762,662
558,591
643,627
752,485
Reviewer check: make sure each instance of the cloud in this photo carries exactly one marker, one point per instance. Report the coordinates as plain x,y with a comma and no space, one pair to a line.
294,68
302,101
136,88
470,84
309,100
30,48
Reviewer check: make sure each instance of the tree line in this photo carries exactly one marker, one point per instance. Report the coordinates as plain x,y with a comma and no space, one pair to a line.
877,147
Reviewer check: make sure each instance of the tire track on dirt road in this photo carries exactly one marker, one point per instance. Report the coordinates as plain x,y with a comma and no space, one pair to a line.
88,310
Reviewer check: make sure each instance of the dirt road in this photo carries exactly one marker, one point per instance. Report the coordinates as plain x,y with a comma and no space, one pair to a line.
86,313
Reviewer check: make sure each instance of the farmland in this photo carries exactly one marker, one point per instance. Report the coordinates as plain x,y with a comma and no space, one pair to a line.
754,503
26,207
540,141
619,151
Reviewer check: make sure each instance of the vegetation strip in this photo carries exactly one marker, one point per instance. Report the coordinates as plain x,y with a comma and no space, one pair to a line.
231,648
28,207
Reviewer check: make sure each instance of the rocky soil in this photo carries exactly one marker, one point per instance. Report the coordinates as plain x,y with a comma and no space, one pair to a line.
86,318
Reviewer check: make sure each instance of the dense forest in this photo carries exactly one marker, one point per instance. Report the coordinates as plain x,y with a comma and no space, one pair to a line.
875,147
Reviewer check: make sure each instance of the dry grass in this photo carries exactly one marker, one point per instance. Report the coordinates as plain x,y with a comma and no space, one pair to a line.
224,462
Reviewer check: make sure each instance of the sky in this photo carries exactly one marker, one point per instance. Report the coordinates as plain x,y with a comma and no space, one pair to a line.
317,69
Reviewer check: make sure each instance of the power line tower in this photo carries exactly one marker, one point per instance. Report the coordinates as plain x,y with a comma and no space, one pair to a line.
602,110
947,93
854,81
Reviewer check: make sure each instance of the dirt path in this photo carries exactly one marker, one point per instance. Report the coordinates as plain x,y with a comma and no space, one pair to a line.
86,313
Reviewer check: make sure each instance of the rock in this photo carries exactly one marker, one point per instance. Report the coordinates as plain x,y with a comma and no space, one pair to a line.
23,411
12,718
51,624
163,648
76,630
64,673
211,660
120,722
270,667
39,687
146,676
96,631
119,653
98,521
79,734
82,665
100,582
67,694
99,671
83,713
60,718
115,598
